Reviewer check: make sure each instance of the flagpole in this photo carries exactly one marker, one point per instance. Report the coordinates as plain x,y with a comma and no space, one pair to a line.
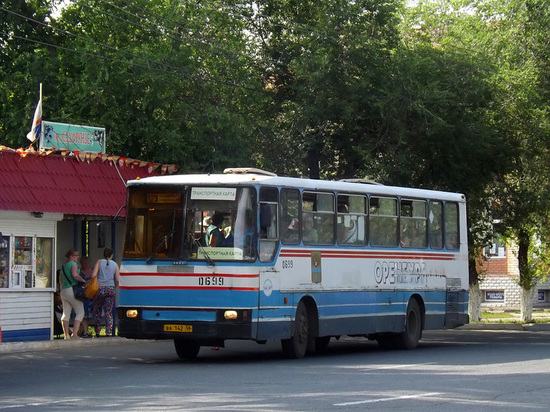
41,114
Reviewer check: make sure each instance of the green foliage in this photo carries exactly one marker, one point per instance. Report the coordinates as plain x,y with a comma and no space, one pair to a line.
327,64
21,65
493,63
167,86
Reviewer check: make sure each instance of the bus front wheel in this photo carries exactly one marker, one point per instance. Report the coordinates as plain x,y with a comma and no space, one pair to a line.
297,345
186,349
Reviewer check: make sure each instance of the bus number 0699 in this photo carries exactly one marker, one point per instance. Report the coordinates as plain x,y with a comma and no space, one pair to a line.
210,281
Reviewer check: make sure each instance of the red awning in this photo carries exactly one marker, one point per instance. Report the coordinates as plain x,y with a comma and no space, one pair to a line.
77,185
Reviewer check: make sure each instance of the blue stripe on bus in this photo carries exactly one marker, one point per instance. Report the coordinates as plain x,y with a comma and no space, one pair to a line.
331,305
189,298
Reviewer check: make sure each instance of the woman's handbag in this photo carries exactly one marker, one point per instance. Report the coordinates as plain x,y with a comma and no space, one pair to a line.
91,288
78,289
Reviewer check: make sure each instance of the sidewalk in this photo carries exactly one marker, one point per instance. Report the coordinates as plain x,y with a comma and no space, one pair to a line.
512,322
14,347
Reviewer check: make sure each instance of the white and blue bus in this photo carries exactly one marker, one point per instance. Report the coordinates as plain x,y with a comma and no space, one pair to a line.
295,260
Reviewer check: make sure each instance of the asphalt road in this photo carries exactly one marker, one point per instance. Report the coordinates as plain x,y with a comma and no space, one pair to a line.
451,370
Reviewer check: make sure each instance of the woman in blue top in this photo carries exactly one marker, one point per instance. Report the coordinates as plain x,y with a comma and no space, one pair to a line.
107,273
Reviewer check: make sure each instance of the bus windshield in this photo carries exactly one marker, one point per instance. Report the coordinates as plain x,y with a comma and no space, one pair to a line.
182,223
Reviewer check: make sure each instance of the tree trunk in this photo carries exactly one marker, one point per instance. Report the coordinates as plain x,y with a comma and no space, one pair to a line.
474,299
474,303
525,276
312,160
527,304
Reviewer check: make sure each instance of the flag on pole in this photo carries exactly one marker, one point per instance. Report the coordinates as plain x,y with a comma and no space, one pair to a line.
36,126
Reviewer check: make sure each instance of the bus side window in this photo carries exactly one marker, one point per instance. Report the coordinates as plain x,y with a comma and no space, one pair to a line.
383,221
451,226
265,220
318,218
290,217
269,237
435,224
351,219
413,223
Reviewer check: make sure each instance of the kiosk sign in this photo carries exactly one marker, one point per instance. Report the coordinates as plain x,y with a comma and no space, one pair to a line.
72,137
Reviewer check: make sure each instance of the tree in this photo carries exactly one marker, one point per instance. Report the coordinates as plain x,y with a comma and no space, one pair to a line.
507,37
183,89
440,131
22,65
168,87
523,194
326,67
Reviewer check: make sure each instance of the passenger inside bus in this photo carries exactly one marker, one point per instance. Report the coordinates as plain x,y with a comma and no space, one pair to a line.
325,228
290,229
309,234
347,228
214,236
228,237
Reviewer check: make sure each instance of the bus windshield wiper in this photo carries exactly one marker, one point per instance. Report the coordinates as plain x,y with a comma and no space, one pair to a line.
163,241
203,250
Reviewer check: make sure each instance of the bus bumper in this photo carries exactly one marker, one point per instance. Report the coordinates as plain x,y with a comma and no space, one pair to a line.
202,331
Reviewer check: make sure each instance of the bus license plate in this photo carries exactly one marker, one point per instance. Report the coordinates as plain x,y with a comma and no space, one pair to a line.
178,328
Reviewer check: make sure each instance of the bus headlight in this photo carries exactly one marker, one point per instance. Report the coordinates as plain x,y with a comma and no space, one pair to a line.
131,313
230,314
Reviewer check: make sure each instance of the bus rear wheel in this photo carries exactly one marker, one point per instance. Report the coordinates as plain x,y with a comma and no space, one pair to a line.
186,349
409,338
297,345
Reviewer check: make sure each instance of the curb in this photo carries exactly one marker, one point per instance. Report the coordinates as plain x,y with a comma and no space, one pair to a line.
525,327
15,347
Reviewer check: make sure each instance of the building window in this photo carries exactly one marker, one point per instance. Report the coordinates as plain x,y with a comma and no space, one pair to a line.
4,262
26,262
497,248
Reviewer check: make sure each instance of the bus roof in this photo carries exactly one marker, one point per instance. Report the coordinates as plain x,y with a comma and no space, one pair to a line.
261,178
